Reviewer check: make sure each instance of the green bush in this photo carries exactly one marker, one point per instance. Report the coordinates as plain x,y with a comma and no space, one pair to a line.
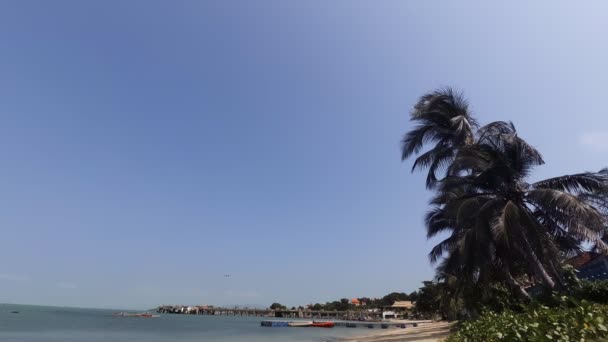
594,291
583,322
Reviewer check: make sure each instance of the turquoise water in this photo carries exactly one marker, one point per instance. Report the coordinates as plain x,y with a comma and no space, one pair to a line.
54,324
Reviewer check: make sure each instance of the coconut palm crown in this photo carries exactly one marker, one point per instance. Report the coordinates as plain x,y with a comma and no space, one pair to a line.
499,225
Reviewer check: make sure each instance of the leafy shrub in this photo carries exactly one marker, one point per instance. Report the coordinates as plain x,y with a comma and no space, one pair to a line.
498,298
575,288
594,291
591,290
583,322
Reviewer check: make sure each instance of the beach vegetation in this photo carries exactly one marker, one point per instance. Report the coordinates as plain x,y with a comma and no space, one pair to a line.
571,321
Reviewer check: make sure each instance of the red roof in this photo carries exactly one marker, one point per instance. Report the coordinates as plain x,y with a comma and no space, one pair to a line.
581,259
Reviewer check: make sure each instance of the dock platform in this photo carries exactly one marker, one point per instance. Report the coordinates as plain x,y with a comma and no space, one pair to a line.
350,324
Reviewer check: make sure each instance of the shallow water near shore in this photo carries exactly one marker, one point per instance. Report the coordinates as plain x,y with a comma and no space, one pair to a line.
56,324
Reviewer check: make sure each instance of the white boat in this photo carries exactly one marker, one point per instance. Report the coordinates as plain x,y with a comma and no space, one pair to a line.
300,324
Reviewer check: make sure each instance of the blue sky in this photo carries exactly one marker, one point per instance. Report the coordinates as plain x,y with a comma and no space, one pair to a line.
149,147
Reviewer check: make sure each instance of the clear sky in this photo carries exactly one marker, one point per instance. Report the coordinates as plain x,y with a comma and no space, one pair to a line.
147,148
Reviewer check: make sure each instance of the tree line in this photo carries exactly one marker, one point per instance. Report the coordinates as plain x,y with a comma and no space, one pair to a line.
346,304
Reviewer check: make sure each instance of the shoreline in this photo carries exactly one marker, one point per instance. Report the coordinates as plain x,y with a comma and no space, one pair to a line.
425,332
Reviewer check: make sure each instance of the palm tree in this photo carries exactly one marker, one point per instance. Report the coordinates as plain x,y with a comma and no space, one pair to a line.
443,118
469,255
599,199
500,225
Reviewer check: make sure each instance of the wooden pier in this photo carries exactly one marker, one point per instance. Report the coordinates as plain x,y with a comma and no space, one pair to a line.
309,314
213,311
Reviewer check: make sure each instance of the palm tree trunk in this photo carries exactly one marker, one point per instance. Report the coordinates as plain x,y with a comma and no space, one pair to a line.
515,285
537,265
561,283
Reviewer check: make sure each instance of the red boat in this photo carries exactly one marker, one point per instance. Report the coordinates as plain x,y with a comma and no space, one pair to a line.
323,324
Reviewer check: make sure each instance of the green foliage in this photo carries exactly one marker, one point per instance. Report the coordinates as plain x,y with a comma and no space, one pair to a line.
578,289
277,306
582,322
581,289
341,305
345,304
393,297
494,297
553,316
595,291
443,300
428,302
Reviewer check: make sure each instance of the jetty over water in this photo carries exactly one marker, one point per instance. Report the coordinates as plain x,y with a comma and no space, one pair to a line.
311,314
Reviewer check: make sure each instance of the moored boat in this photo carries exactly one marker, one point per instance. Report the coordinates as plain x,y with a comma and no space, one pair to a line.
323,324
147,315
300,324
142,315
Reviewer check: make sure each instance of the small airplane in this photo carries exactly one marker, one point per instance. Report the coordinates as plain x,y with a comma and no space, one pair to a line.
227,275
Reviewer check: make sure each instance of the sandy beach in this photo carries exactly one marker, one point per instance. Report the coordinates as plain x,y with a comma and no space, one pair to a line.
425,332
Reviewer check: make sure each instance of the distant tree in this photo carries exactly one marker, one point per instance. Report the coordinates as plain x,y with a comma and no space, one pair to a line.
428,301
391,298
293,308
277,306
343,305
332,306
317,307
374,303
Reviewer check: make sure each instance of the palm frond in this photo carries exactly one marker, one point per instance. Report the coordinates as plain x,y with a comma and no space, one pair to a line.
426,159
505,226
437,222
445,100
444,120
574,214
443,247
577,183
414,140
494,128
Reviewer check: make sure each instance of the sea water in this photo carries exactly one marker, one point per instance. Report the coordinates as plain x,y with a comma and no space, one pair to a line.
56,324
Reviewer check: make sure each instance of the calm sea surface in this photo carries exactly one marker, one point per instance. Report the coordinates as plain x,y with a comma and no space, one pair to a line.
54,324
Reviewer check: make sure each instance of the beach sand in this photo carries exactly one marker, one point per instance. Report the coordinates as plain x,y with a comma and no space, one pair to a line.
426,332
